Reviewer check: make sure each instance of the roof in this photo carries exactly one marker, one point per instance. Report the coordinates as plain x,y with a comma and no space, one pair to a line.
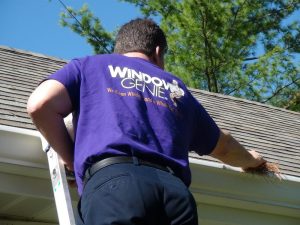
272,131
20,73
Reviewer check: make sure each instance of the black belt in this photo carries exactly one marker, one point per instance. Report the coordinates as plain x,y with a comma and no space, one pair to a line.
121,159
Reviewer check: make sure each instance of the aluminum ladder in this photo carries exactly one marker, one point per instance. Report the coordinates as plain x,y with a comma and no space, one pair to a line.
59,178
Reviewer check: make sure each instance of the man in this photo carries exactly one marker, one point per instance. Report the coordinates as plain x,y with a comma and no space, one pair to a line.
134,125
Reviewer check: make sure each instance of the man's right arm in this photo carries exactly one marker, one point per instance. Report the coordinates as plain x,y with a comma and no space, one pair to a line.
231,152
47,107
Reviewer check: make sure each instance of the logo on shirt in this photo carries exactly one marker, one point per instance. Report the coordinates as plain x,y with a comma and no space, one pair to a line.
176,92
142,82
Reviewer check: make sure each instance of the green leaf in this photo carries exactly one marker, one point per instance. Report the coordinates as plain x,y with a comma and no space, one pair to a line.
240,48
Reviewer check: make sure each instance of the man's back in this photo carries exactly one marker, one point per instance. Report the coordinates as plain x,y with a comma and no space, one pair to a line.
128,106
134,125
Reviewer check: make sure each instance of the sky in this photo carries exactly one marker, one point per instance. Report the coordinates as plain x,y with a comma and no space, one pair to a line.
33,25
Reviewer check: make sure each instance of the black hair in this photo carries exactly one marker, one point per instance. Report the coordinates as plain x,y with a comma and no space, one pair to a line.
140,35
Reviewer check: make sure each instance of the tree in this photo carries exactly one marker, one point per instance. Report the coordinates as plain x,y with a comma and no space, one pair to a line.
240,47
89,27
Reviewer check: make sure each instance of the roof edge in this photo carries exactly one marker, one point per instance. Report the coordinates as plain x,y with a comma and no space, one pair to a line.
216,185
19,130
27,52
236,169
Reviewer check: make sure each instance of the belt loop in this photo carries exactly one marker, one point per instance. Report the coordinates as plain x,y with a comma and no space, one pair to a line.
170,170
135,160
87,175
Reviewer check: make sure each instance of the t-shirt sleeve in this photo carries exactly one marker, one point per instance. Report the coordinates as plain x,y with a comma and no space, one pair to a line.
205,131
70,77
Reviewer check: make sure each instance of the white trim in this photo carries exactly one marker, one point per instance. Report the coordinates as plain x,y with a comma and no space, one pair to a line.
21,185
20,130
25,222
21,146
192,160
23,163
223,187
231,168
213,164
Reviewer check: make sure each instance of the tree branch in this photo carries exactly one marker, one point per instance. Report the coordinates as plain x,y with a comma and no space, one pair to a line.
238,88
280,89
251,58
230,30
206,51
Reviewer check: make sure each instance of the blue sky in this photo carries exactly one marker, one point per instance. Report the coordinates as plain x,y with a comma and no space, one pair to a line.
33,25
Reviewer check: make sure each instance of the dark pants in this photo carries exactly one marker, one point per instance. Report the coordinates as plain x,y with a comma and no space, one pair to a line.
136,194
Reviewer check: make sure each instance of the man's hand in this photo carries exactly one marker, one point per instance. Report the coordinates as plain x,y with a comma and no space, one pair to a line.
267,168
70,129
70,177
257,161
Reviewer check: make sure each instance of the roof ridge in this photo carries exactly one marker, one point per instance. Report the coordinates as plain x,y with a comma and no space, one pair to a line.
27,52
243,100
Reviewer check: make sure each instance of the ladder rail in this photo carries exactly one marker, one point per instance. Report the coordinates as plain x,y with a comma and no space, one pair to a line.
60,186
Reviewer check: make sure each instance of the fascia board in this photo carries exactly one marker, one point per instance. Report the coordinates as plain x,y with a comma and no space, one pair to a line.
227,167
19,130
21,152
228,187
30,187
25,186
21,145
23,169
19,222
213,183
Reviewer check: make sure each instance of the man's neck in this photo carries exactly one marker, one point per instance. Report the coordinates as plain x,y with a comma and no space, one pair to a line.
138,55
159,63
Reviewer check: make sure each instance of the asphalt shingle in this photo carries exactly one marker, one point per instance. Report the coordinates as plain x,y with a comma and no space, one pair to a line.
272,131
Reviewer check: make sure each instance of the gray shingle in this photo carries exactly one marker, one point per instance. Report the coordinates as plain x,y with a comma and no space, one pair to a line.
272,131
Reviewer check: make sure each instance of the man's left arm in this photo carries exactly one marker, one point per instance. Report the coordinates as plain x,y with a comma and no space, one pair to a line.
231,152
47,106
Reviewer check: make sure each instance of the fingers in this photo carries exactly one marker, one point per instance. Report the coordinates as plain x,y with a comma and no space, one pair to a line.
267,168
72,183
258,159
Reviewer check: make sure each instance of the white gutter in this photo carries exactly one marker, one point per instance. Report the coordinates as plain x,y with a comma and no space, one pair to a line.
202,162
22,147
237,169
220,186
19,130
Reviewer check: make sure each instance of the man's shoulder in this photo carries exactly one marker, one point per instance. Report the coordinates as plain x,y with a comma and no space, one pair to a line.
100,59
97,57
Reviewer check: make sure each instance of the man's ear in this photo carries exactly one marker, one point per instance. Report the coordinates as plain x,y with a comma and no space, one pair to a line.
158,57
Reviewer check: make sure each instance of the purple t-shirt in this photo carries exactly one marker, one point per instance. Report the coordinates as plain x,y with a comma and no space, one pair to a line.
124,105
